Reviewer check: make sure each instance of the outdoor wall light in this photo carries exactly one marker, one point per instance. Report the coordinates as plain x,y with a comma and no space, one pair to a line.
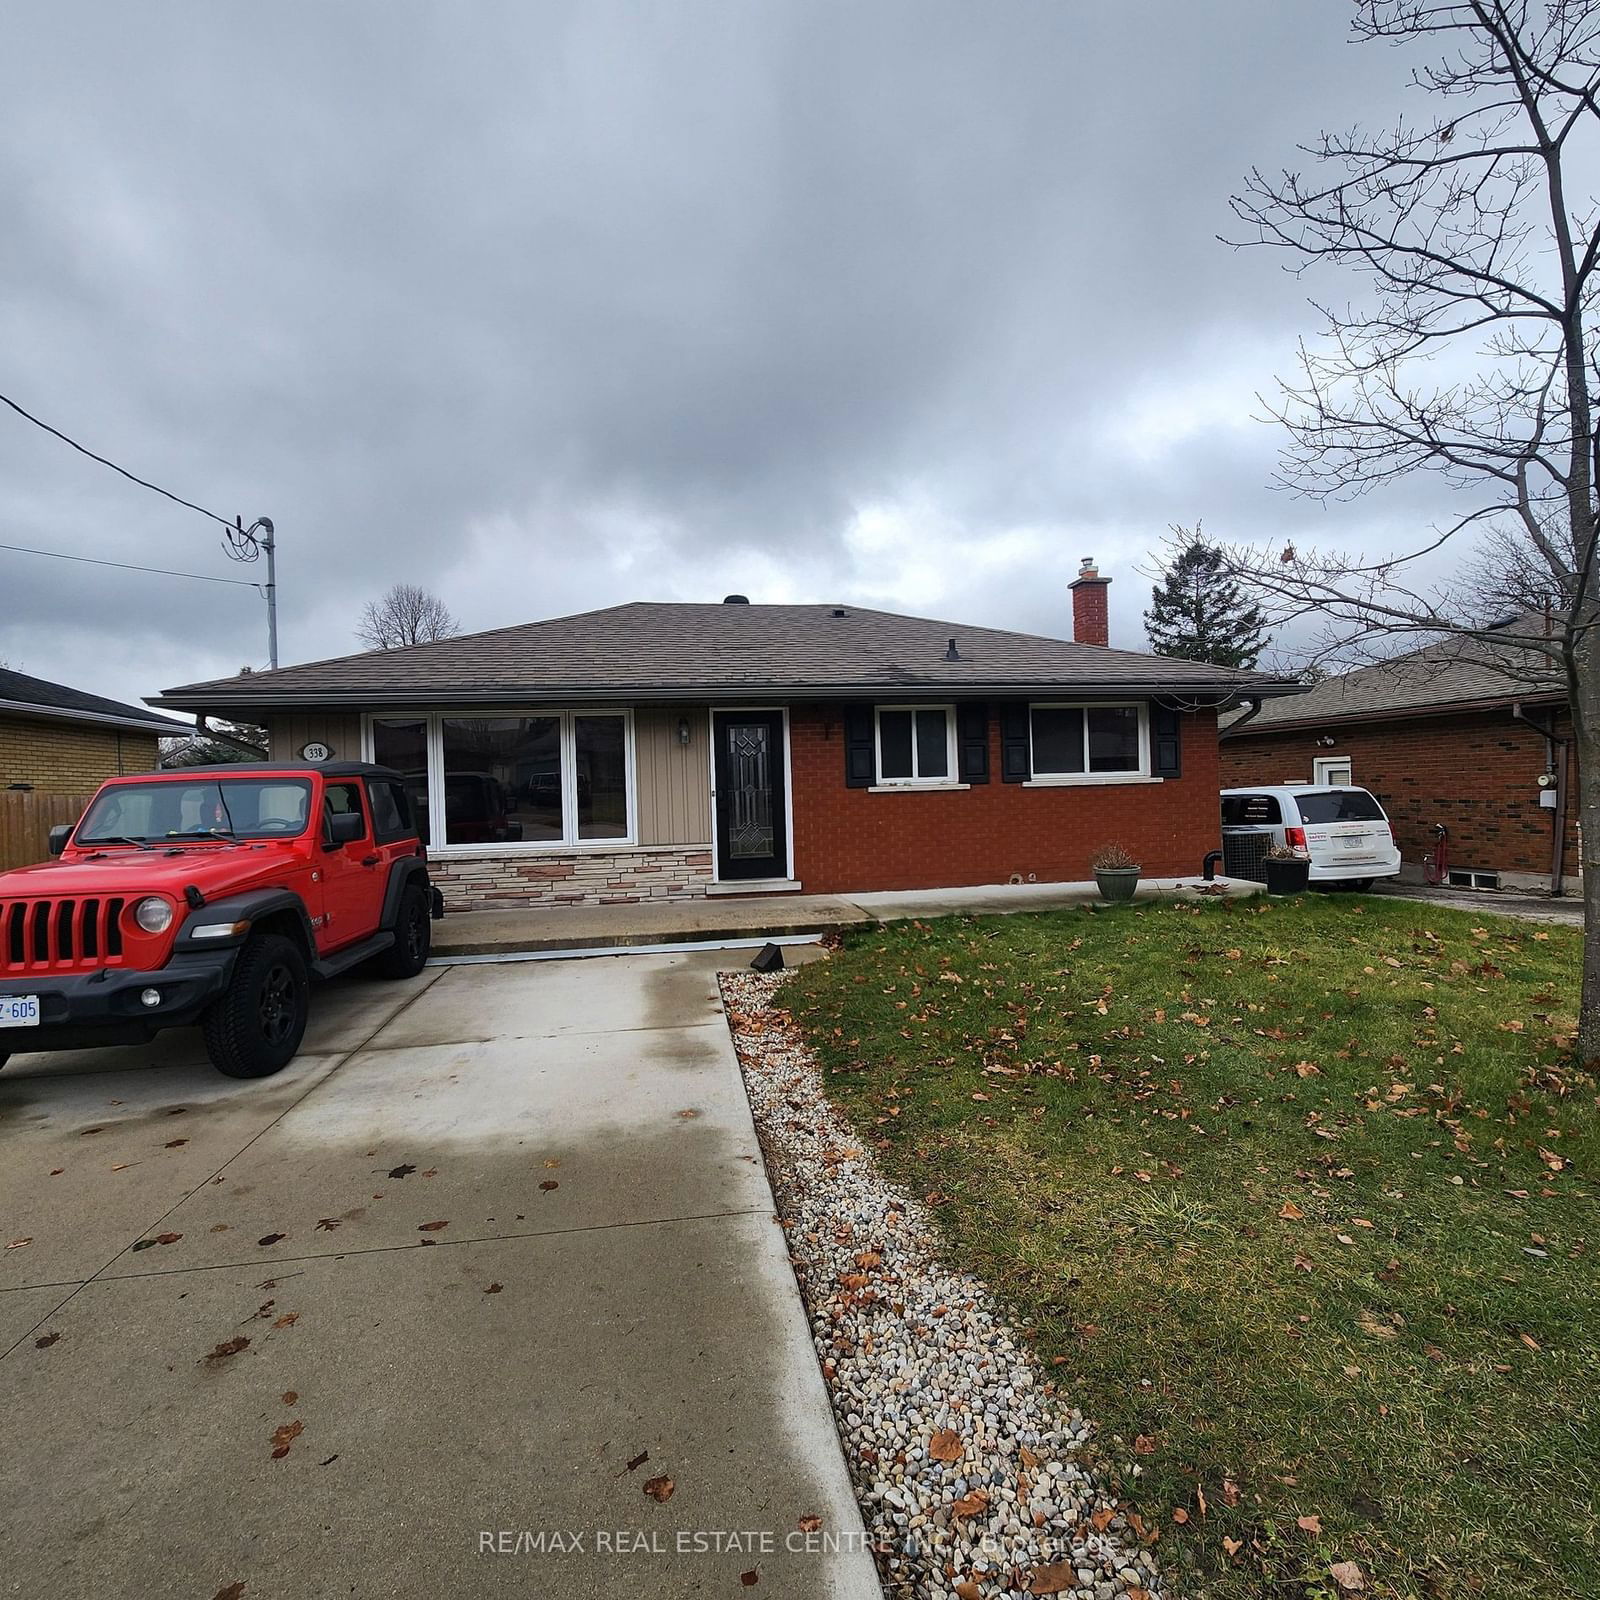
683,731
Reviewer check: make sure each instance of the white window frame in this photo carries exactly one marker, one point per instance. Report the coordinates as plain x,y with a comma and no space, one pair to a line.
1084,779
952,776
1319,771
569,843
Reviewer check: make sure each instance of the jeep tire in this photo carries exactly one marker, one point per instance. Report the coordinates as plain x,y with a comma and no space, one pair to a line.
256,1025
413,936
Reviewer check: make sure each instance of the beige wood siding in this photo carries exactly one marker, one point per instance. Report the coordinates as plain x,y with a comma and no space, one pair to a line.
674,780
289,731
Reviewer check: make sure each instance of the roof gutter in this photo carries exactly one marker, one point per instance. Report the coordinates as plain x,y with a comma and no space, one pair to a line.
423,697
158,725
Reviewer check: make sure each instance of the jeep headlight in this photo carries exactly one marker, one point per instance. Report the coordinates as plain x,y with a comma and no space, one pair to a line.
153,914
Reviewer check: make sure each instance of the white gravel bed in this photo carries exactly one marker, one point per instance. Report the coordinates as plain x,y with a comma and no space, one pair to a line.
921,1366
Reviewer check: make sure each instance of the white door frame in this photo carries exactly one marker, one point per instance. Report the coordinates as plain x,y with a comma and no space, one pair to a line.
788,788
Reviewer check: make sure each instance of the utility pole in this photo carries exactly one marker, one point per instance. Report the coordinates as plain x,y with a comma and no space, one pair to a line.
246,544
269,542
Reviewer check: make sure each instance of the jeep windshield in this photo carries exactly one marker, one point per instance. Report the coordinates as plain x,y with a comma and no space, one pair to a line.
197,808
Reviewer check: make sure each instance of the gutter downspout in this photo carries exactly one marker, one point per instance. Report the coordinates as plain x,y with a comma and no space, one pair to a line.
1254,703
1551,745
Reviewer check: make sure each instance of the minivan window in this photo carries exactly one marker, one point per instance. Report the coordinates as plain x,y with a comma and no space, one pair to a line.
1245,810
1339,805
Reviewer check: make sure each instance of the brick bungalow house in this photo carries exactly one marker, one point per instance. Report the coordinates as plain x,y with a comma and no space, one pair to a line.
56,740
1454,734
678,750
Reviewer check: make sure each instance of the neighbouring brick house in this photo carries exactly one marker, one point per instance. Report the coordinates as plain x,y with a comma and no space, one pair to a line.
56,740
1455,734
669,751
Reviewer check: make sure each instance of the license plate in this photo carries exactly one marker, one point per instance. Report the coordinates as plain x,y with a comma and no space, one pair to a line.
19,1011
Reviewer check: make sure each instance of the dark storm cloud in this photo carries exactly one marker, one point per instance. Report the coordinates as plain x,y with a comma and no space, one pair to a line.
547,306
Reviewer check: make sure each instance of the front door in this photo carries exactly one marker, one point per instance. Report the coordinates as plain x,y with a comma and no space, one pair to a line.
752,834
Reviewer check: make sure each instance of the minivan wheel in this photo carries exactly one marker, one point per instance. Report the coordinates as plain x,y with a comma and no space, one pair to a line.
413,937
5,1056
256,1026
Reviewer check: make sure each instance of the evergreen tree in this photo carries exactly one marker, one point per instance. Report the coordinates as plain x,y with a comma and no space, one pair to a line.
1199,612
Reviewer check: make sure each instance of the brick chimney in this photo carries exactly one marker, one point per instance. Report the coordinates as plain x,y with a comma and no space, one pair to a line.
1090,622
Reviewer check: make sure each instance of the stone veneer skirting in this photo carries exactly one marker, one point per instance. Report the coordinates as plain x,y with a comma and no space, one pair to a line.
494,880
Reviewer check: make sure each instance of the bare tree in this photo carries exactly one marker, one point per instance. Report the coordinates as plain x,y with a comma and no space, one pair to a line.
405,615
1471,358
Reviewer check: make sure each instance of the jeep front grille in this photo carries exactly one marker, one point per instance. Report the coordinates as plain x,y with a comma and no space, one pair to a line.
40,935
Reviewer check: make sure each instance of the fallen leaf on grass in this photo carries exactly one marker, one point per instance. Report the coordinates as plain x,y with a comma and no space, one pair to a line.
285,1436
1057,1578
431,1227
1232,1546
945,1446
1347,1575
1179,1514
1309,1524
1291,1212
1378,1330
659,1489
1144,1445
229,1347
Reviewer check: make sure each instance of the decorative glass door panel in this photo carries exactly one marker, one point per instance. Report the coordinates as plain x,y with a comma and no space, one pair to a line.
751,832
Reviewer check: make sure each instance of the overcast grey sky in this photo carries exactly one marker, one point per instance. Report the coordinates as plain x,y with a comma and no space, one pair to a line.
547,306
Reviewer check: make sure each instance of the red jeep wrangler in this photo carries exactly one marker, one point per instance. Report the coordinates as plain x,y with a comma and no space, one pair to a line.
213,895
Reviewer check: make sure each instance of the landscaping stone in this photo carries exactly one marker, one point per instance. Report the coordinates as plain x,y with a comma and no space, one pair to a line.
964,1460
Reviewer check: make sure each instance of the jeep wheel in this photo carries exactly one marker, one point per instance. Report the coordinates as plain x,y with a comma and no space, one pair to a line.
413,936
256,1026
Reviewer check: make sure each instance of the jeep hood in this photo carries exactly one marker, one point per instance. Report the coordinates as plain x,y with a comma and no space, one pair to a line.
214,870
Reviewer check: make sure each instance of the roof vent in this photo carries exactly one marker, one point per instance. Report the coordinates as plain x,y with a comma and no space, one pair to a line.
736,599
839,611
951,653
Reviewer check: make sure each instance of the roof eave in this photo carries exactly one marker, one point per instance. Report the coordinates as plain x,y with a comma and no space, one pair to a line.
210,698
1443,708
163,726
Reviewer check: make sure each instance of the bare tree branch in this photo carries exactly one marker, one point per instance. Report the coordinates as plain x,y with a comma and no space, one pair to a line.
405,615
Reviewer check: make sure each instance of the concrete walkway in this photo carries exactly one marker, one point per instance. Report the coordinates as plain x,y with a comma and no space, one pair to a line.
497,1250
772,916
1493,903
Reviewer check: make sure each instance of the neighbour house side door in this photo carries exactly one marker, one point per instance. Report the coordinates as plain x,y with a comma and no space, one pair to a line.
352,899
748,775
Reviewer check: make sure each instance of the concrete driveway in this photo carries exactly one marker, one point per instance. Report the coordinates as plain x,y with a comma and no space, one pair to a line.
401,1319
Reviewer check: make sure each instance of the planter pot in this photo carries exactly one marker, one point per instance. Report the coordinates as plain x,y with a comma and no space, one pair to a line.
1288,877
1117,883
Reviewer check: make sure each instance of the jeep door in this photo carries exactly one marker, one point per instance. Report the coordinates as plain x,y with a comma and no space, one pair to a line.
352,899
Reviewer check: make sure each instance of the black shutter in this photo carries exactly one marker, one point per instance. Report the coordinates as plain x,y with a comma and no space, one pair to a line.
860,751
972,741
1166,747
1016,760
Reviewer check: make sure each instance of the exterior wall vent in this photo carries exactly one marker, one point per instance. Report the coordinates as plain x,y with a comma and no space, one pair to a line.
736,599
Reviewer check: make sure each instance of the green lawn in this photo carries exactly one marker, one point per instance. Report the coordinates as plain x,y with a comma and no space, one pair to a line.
1297,1199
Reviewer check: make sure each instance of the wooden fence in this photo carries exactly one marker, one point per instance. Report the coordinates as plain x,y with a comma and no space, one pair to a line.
26,818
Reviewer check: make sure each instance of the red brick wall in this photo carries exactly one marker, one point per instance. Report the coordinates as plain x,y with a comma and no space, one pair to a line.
853,840
1474,773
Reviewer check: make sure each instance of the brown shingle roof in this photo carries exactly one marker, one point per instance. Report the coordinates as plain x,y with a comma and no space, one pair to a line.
656,649
1453,674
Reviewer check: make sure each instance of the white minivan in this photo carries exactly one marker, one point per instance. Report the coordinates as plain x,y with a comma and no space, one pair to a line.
1342,829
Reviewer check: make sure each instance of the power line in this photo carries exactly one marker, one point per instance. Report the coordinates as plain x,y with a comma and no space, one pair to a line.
144,483
125,566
